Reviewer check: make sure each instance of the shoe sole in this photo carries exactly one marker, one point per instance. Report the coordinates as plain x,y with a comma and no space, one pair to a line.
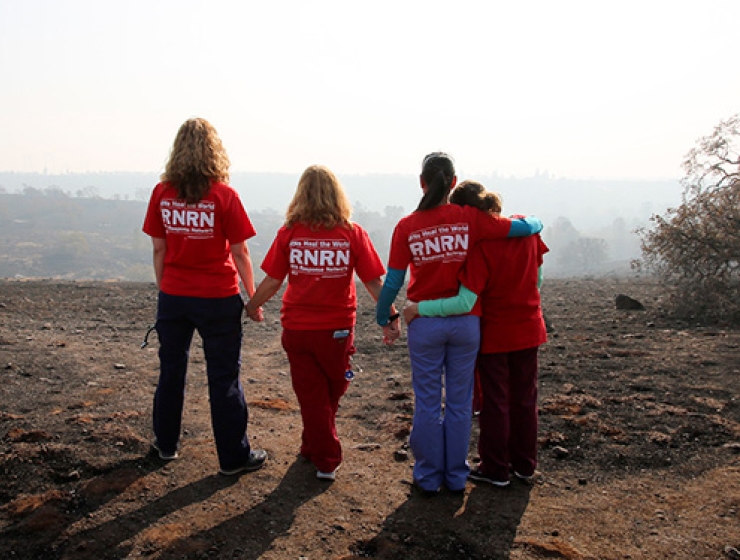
244,469
529,480
497,483
165,456
331,476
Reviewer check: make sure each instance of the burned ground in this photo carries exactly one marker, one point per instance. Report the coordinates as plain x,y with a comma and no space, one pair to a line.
639,442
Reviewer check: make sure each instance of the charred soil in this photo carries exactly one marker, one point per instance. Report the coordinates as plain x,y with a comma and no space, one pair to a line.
639,442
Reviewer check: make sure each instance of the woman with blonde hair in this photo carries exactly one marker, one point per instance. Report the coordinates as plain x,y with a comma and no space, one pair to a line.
319,249
199,232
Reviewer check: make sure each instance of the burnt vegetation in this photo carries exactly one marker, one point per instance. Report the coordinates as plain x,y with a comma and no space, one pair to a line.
695,248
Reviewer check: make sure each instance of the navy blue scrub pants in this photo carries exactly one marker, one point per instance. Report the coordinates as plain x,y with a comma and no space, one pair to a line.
218,321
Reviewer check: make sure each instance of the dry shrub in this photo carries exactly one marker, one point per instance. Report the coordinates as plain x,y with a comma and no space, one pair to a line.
695,248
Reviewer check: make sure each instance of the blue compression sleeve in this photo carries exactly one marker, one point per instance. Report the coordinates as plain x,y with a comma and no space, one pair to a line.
392,285
522,227
460,304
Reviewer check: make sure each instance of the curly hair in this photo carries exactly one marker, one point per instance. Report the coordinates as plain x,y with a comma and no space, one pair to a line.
473,193
319,201
197,158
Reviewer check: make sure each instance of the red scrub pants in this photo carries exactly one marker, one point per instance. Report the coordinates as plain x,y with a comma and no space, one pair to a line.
318,363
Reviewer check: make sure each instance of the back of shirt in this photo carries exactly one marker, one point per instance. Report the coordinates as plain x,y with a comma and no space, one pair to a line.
434,244
504,275
320,265
198,237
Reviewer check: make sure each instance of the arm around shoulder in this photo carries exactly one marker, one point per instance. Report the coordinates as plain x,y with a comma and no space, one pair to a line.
522,227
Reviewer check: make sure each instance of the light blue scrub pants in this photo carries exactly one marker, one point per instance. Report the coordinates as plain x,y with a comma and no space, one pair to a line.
443,351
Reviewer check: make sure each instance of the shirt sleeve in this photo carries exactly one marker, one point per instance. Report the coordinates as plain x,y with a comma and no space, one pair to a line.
368,264
488,226
474,273
400,253
153,225
391,286
275,263
460,304
523,227
237,225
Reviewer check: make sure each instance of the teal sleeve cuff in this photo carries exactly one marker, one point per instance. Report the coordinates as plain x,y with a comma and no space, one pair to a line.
460,304
539,277
522,227
393,283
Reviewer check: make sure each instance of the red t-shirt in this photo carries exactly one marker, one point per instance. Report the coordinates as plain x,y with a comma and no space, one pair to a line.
320,265
504,275
435,244
199,236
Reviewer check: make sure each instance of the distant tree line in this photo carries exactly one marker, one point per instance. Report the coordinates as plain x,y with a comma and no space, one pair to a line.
55,233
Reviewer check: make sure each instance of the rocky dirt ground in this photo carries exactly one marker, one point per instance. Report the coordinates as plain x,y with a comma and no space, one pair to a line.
640,442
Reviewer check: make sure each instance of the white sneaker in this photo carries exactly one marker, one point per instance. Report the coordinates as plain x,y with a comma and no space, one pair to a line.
327,475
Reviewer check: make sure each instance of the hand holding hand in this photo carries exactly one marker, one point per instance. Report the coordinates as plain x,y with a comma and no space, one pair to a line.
257,315
392,332
410,311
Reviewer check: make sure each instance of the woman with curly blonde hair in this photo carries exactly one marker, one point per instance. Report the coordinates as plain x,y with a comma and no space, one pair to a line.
319,249
199,232
198,157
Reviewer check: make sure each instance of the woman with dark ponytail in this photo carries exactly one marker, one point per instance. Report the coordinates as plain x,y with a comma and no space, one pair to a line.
438,173
433,242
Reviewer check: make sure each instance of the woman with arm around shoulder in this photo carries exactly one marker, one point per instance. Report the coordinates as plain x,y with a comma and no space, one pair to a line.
505,276
319,250
199,232
433,243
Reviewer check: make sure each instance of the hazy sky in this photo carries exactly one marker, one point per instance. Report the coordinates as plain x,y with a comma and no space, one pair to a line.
582,89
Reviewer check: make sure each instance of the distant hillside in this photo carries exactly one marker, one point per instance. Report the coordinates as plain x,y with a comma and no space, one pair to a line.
56,236
89,225
587,204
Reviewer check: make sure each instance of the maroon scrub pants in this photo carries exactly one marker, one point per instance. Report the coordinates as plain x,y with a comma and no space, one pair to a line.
318,363
508,417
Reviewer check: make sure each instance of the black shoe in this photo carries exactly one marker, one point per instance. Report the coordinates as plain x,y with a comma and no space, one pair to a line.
478,476
165,456
423,492
257,458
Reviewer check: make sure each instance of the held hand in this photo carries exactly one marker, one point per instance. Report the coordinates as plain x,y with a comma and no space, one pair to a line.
391,332
257,315
410,311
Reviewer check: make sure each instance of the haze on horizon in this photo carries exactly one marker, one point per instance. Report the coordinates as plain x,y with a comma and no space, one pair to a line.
578,89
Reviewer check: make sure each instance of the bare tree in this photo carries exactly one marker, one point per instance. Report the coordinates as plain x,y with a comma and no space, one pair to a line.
695,248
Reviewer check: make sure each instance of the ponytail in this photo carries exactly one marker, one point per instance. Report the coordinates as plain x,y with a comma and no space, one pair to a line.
437,172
